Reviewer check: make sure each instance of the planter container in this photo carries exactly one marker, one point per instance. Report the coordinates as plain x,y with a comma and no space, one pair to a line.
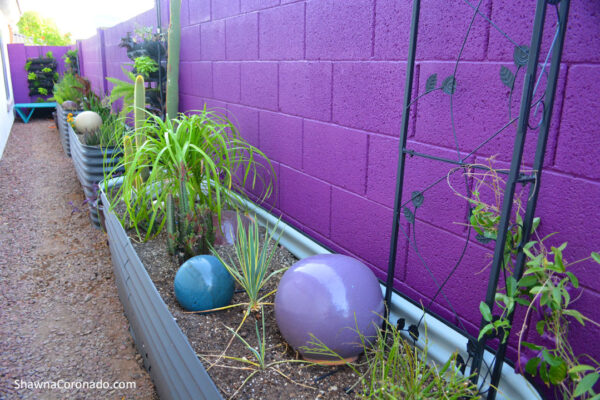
91,162
176,371
172,363
63,128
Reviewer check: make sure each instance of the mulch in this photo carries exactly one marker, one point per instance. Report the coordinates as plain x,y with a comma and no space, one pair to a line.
60,314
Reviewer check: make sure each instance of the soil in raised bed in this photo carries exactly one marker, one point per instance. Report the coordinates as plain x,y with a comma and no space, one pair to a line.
208,336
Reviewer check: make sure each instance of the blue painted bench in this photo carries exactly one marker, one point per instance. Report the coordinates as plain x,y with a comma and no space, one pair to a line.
21,109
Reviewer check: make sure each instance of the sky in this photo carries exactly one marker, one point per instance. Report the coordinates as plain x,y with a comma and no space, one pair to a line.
82,17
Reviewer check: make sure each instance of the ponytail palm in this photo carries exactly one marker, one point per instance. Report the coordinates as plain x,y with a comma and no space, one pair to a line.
202,152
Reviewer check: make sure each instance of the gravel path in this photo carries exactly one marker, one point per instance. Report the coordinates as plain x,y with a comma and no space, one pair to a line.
60,315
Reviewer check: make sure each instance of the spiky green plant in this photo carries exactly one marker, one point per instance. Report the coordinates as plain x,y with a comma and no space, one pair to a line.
202,150
251,267
173,60
395,369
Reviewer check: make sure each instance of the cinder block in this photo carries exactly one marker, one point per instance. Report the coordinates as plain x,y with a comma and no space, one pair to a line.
212,40
225,8
199,11
259,187
578,149
189,103
242,37
336,155
216,106
442,29
339,30
246,121
226,81
381,172
201,81
516,20
368,95
480,107
569,206
190,43
281,138
281,33
305,89
253,5
362,226
259,84
434,255
185,77
305,199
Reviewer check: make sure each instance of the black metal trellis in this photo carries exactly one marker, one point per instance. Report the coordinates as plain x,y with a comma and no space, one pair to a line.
514,176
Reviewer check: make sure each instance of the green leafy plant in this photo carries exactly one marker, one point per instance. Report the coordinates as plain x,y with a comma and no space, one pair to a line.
102,107
203,151
72,61
123,90
145,65
544,287
68,88
142,47
395,369
31,76
49,54
46,70
27,65
43,91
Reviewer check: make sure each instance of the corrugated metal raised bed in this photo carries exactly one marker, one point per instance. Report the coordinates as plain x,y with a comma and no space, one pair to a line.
61,116
90,164
176,371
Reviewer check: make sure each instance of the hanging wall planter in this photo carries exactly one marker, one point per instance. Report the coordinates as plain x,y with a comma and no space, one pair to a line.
91,163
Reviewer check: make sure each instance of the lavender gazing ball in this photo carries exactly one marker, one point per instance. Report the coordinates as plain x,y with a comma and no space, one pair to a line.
331,296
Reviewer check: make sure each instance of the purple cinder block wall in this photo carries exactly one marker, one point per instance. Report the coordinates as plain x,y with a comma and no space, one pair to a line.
318,86
18,54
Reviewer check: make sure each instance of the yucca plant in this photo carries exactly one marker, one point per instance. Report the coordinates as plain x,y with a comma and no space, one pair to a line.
254,261
202,151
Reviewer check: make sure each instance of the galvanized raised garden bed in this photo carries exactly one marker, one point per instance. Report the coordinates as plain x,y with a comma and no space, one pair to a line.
91,162
176,371
61,116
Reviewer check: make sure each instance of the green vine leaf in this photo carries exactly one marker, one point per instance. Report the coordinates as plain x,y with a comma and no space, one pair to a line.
558,373
532,366
417,199
521,55
449,85
485,311
596,257
431,83
586,384
410,217
507,77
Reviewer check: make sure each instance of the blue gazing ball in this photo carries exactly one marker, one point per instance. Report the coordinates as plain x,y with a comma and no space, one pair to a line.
203,283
